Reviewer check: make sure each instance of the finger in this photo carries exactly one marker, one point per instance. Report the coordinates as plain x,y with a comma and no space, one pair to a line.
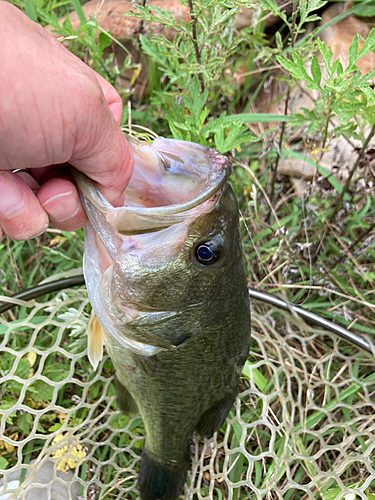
29,180
101,150
108,160
60,199
21,216
112,98
43,174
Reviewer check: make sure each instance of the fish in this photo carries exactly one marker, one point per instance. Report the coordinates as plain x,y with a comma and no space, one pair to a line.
166,281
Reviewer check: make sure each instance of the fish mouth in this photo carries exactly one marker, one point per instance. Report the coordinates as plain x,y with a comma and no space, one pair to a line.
171,177
173,184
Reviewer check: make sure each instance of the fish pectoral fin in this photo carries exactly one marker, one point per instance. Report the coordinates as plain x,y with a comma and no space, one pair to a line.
125,401
213,418
95,340
146,364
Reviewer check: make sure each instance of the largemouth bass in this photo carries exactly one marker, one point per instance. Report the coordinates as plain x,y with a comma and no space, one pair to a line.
165,278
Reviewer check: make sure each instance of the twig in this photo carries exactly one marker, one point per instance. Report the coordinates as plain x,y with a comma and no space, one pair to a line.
255,180
361,237
256,71
270,14
325,136
348,301
349,255
269,275
354,168
282,286
195,40
274,173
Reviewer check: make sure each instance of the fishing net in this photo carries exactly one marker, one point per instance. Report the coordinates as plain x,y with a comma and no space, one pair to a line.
303,425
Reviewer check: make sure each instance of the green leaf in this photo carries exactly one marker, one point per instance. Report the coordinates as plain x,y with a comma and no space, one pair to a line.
78,8
339,69
333,493
257,118
315,71
67,25
227,138
30,9
55,427
365,9
222,17
104,41
369,44
353,50
326,55
23,369
300,67
289,66
177,133
3,463
164,15
196,104
25,423
270,5
279,41
259,379
296,67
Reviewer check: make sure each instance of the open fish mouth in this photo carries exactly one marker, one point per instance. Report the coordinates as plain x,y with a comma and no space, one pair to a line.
174,183
171,177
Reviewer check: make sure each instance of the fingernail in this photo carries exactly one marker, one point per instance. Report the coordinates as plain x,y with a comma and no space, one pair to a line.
11,196
62,206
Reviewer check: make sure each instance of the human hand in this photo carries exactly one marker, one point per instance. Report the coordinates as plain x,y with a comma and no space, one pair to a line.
54,111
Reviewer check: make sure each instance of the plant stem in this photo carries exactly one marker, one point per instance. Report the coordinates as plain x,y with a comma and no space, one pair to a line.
195,40
140,30
362,236
354,168
293,35
274,173
325,136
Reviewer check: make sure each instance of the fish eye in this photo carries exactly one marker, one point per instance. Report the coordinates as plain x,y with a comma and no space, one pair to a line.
207,253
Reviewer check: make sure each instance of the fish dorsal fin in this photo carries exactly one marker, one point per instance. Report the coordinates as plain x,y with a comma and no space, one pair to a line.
95,340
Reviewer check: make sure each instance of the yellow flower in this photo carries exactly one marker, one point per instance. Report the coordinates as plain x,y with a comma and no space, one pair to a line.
31,357
73,452
6,446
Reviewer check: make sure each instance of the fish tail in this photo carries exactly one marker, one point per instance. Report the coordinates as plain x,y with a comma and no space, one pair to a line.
160,482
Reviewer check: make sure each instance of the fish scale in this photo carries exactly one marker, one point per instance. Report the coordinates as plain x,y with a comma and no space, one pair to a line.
168,287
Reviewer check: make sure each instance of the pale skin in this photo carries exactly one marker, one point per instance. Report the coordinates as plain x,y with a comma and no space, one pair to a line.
54,111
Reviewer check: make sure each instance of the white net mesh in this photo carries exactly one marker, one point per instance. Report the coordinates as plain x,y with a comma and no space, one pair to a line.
302,427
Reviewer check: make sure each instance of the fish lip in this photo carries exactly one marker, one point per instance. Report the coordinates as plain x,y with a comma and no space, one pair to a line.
219,172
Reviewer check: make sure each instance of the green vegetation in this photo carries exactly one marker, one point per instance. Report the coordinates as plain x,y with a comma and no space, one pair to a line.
316,249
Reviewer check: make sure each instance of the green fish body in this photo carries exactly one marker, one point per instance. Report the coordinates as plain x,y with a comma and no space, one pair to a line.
165,277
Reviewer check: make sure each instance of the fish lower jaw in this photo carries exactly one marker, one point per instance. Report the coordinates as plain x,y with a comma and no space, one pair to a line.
143,349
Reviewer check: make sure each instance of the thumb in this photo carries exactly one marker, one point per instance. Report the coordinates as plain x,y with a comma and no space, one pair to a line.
101,150
112,98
